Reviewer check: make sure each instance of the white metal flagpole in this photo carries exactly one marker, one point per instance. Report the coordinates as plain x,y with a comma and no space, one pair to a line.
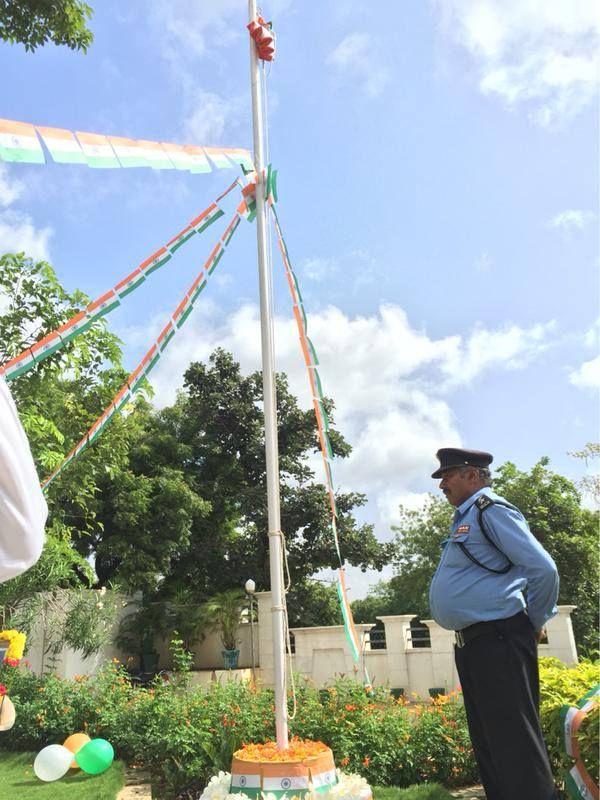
270,403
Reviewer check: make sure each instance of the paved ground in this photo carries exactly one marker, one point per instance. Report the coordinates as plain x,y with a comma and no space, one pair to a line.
137,785
471,793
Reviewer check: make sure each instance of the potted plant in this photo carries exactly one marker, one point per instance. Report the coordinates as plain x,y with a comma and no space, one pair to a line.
222,613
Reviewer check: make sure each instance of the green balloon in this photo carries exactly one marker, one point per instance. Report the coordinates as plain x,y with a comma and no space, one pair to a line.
95,756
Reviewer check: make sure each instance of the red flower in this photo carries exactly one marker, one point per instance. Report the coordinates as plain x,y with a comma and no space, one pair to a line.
12,662
3,690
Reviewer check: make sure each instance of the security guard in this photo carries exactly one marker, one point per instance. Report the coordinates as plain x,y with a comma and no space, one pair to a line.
496,587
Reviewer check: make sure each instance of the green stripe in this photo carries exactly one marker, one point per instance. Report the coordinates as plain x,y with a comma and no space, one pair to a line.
97,162
213,267
347,629
318,383
313,352
245,790
22,155
48,352
184,316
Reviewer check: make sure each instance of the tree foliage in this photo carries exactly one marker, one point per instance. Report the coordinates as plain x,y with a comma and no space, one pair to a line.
35,22
190,515
552,506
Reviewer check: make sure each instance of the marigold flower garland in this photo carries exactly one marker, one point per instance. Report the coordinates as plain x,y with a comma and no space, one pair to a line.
297,750
16,646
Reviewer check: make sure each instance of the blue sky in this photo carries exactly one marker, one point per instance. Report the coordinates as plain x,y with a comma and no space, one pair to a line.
438,190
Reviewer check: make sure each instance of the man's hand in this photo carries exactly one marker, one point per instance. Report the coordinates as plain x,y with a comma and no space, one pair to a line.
541,634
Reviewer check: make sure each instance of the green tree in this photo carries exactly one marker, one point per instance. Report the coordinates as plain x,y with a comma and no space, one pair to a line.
212,439
552,506
36,22
57,401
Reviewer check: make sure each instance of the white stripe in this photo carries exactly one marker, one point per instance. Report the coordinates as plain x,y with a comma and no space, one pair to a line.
241,781
19,141
285,783
61,145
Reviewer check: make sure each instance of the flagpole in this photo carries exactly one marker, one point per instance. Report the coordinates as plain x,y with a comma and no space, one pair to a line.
270,403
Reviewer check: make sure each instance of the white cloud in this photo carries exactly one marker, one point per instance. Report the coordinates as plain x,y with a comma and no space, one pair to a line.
587,376
19,234
540,54
17,230
355,61
211,117
391,384
191,29
572,219
10,189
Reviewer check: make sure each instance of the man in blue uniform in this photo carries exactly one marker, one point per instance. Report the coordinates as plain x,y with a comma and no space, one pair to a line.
496,587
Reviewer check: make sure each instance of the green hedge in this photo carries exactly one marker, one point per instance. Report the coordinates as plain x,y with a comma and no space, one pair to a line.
186,734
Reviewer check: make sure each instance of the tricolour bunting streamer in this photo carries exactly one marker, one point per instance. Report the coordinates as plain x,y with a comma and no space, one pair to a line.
20,142
103,305
149,361
311,360
578,781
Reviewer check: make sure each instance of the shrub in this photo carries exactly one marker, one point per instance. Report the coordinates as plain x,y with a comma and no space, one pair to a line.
565,686
185,736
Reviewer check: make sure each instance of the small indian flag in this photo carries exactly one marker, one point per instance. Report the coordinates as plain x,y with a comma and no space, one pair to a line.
155,261
62,145
148,357
248,784
206,218
323,781
231,229
76,325
131,282
184,309
197,291
166,335
18,365
218,157
240,156
181,238
178,155
199,160
19,142
287,783
152,363
122,398
128,151
97,150
135,377
154,154
103,305
46,346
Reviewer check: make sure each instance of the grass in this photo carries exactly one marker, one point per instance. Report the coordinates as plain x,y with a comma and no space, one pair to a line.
426,791
17,780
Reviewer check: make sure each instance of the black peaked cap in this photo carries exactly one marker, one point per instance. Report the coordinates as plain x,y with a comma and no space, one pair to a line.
450,457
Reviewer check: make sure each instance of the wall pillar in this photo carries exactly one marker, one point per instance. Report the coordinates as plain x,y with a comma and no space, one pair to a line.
397,628
561,641
442,656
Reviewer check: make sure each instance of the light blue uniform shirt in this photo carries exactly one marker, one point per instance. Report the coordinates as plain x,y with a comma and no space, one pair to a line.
462,593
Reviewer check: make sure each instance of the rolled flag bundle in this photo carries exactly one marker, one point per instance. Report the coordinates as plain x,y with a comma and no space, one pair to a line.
264,38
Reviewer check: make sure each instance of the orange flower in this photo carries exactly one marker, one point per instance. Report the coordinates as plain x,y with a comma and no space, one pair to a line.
350,707
297,750
366,761
345,761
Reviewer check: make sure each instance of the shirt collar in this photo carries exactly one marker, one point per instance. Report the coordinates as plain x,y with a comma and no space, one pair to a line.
466,505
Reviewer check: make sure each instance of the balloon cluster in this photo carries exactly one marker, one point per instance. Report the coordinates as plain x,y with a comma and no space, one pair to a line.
78,751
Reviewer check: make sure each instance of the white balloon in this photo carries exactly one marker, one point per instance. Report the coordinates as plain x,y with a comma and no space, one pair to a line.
52,762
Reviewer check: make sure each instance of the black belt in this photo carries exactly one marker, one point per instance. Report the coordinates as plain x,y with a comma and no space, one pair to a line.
466,635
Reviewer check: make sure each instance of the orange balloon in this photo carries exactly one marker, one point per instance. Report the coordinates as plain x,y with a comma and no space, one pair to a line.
74,743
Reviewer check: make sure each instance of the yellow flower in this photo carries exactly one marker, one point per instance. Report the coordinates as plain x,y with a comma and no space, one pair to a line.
16,643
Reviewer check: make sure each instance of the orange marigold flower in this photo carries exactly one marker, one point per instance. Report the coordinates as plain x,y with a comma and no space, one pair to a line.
366,761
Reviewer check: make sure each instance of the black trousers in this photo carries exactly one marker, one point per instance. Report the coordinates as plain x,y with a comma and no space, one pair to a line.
500,684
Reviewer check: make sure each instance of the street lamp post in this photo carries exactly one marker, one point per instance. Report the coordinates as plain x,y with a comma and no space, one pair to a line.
250,588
